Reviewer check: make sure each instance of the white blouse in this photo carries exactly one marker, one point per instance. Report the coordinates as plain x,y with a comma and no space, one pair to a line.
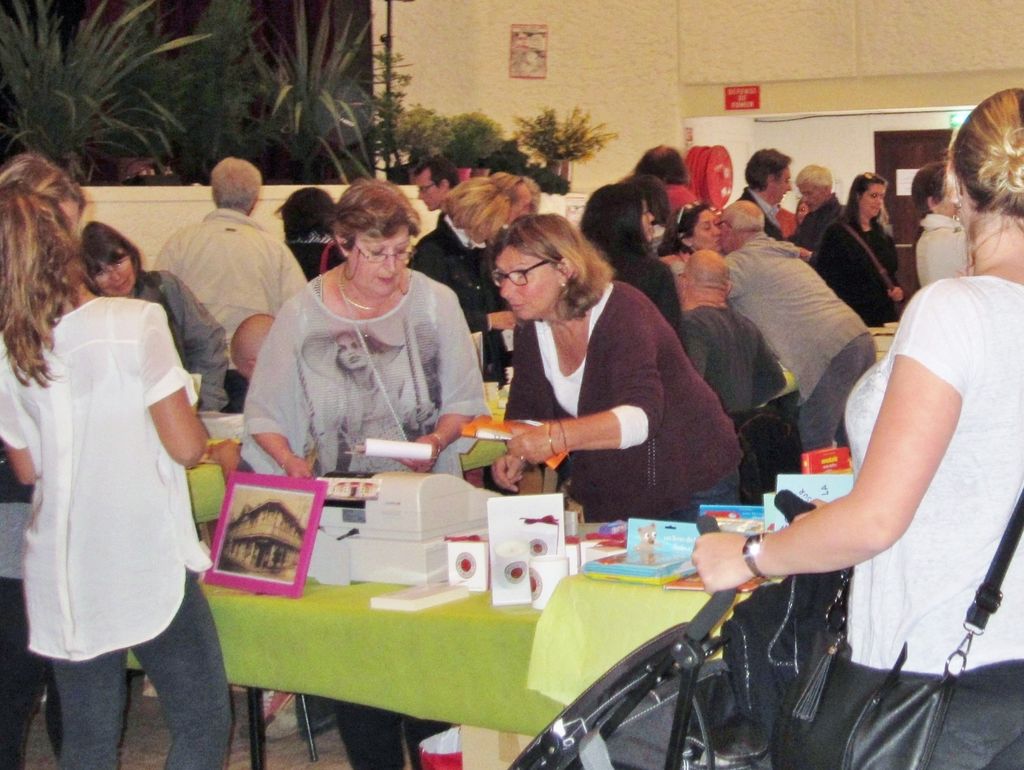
112,530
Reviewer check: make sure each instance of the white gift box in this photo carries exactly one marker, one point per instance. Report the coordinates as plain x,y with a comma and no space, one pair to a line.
519,528
468,564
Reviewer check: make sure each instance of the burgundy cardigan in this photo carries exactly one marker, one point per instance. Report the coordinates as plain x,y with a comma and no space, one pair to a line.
634,357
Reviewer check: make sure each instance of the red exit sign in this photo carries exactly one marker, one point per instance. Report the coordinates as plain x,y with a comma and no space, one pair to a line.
743,97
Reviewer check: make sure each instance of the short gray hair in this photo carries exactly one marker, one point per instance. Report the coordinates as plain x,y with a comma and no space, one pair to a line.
744,217
236,184
815,176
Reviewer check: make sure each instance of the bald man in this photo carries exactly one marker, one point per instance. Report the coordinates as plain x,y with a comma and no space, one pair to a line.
726,348
814,333
245,349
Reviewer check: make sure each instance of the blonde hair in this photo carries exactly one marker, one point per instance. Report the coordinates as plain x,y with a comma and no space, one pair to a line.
236,184
40,276
480,207
374,208
554,239
43,178
988,154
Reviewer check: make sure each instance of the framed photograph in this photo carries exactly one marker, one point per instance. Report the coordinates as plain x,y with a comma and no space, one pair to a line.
265,533
528,52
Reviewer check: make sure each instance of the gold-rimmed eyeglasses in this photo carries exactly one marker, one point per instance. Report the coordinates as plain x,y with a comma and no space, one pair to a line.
376,257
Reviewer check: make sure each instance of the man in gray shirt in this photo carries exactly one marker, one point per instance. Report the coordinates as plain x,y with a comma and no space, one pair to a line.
814,333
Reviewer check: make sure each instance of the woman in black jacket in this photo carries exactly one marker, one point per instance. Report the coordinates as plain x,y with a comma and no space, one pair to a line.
857,258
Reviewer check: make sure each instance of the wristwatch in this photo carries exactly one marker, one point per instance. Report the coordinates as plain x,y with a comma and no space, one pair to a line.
751,550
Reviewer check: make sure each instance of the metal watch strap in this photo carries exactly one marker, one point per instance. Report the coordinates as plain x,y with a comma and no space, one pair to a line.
751,549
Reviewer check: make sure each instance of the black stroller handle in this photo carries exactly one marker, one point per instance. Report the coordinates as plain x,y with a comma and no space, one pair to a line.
711,614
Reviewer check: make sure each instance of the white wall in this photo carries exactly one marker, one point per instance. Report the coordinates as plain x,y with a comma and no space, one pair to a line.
646,66
147,216
843,143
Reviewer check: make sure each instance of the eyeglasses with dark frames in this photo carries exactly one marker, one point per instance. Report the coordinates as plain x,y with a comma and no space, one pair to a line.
517,277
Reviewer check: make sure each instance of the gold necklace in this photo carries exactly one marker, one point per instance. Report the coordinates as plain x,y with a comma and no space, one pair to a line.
352,302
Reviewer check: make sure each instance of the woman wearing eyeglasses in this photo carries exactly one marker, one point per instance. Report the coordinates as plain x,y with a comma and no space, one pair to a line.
115,266
410,329
607,376
370,349
857,257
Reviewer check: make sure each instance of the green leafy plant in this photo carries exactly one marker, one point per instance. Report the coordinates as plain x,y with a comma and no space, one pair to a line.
318,110
510,159
474,137
216,89
422,132
85,100
571,139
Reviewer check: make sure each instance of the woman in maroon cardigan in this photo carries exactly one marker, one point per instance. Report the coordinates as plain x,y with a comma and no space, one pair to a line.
597,363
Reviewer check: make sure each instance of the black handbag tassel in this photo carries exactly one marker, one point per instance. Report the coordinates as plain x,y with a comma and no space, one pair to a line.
806,707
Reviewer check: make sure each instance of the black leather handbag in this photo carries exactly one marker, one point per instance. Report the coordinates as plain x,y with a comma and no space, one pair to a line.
840,714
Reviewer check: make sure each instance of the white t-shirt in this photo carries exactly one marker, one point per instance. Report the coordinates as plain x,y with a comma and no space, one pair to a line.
112,530
967,331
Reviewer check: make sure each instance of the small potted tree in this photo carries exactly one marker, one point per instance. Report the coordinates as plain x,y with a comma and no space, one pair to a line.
421,133
560,142
474,137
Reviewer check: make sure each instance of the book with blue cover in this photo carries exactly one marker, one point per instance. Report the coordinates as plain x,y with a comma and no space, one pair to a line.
657,552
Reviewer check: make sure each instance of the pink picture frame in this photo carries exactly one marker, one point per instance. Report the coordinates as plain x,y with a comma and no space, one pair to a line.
265,533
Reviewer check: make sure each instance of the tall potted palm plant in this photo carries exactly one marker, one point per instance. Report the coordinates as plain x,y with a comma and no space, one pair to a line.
318,110
90,98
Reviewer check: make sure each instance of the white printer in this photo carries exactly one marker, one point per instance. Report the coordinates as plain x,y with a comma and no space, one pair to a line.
402,519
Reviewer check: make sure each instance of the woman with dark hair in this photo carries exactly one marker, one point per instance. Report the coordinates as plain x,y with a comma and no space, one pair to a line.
667,164
307,215
114,265
618,221
857,257
597,363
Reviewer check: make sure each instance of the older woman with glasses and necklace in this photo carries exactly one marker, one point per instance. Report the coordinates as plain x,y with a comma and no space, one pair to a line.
370,349
607,377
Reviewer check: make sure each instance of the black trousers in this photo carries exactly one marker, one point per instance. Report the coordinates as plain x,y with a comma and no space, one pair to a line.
23,677
373,737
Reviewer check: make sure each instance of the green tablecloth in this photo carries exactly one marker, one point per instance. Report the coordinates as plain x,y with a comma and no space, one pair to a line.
589,625
463,662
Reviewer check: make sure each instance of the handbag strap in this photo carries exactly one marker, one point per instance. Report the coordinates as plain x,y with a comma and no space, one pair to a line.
989,594
879,268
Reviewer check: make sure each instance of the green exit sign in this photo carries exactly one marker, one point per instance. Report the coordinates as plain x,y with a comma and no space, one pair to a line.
956,119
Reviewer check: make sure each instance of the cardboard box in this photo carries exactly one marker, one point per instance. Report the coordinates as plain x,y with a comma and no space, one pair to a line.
489,749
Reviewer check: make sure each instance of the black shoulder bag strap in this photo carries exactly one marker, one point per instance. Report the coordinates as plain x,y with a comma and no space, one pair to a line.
879,268
989,594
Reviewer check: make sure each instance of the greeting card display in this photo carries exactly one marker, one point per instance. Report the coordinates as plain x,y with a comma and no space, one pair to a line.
517,529
265,533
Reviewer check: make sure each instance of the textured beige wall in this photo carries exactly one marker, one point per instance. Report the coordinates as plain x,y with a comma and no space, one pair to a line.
616,58
643,66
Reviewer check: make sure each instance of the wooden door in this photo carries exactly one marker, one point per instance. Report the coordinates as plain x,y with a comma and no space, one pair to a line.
898,154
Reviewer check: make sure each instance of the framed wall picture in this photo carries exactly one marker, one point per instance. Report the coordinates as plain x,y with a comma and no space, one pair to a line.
265,533
528,52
